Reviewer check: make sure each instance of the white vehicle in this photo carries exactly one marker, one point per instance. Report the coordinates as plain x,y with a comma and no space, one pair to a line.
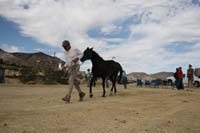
171,79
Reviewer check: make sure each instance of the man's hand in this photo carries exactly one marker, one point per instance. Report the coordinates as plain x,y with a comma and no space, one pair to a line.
75,60
65,68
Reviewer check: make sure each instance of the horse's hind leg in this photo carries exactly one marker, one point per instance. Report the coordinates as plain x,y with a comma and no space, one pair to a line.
103,83
114,84
111,90
115,87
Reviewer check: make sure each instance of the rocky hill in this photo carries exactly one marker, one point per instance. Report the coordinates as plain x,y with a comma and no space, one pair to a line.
144,76
162,75
139,75
37,60
9,58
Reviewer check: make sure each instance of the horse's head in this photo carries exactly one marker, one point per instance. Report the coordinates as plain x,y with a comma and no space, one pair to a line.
87,54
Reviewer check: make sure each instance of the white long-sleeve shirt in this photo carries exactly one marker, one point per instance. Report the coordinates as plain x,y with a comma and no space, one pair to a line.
71,55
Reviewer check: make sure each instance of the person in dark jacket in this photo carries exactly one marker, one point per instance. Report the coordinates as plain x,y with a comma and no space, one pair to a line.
176,78
180,78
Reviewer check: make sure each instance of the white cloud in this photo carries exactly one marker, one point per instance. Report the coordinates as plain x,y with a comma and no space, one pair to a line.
111,29
10,48
61,55
160,23
51,21
39,49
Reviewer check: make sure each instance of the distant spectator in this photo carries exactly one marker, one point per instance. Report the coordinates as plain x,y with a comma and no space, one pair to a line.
107,83
176,78
190,76
2,75
88,76
2,72
124,79
180,78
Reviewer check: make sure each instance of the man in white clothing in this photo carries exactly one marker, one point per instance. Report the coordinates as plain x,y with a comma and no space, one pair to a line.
72,66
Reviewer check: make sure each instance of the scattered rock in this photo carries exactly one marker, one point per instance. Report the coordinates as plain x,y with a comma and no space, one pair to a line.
185,101
123,121
5,124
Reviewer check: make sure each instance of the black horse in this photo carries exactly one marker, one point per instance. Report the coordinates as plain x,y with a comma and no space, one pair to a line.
102,69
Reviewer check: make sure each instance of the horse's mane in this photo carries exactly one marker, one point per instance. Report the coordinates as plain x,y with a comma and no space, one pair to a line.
97,56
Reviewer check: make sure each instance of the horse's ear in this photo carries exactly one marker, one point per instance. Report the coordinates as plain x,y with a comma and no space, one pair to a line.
92,48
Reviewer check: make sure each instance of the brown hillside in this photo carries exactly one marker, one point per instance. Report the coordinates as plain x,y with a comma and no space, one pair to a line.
9,58
145,76
37,60
139,75
162,75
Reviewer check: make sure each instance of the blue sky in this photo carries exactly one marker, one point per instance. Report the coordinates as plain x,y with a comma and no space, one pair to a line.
10,36
148,36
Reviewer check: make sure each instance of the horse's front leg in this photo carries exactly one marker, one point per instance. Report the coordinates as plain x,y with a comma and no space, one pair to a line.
103,83
91,83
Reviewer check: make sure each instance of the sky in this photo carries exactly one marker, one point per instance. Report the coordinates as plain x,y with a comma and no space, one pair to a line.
142,35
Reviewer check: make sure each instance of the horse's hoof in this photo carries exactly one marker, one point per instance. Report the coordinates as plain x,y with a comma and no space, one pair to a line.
111,94
91,95
103,96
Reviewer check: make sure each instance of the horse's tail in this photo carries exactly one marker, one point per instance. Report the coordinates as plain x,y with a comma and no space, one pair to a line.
120,75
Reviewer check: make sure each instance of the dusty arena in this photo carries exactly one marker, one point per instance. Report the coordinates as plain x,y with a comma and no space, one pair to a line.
38,108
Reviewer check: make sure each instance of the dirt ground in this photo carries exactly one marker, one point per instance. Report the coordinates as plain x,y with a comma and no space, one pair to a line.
38,108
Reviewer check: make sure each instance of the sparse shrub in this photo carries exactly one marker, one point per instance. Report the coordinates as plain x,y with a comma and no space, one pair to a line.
27,74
